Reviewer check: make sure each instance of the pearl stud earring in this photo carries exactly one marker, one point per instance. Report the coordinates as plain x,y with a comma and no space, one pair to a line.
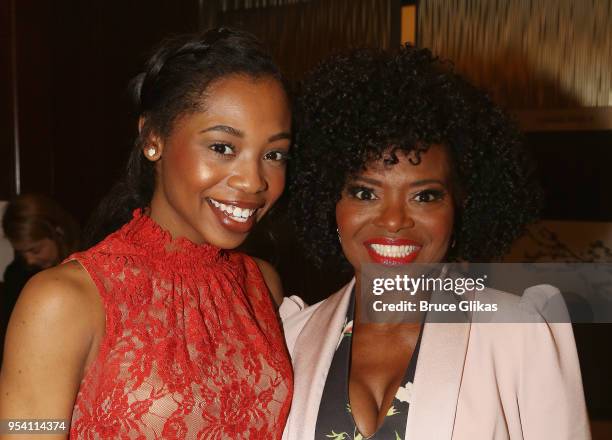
151,152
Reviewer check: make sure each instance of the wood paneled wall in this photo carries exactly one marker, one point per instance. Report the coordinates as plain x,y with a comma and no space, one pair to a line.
74,61
7,138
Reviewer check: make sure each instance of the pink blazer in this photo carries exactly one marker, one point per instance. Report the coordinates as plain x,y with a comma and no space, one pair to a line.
473,381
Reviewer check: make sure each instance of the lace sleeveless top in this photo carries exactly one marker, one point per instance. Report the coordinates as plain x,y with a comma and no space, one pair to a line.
192,347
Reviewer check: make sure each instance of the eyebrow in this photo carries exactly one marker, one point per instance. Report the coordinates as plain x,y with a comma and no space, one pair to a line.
238,133
416,183
279,136
225,129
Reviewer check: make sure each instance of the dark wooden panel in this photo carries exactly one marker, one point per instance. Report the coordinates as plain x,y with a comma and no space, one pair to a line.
96,128
595,364
301,34
75,60
33,30
574,170
6,101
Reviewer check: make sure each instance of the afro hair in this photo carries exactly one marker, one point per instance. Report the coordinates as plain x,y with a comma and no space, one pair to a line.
354,106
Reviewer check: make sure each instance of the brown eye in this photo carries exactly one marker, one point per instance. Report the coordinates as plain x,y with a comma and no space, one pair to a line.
276,156
223,149
362,193
429,196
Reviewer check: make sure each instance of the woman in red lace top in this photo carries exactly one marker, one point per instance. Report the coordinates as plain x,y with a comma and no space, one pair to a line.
161,330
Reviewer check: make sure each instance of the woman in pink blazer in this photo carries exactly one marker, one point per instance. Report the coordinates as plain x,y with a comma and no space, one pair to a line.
398,160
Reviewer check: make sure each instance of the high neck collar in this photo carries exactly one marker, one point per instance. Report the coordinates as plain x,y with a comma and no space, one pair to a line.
146,234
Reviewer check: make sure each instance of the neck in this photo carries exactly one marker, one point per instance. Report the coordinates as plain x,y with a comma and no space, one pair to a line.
170,220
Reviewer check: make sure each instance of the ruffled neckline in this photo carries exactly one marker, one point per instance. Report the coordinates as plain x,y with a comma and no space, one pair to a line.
143,232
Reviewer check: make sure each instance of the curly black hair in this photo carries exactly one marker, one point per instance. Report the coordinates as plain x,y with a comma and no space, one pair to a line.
356,105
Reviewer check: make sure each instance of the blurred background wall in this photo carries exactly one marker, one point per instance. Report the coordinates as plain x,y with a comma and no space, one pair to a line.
550,63
556,53
66,123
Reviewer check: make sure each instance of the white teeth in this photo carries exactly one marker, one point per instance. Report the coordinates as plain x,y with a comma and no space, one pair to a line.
393,251
234,212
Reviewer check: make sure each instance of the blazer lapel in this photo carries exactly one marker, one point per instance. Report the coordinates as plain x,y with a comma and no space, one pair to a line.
438,376
315,348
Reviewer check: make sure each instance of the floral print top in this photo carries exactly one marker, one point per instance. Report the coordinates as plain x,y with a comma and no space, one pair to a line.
335,420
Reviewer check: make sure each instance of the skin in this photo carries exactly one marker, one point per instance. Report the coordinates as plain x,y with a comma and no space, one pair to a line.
391,201
58,322
234,152
41,253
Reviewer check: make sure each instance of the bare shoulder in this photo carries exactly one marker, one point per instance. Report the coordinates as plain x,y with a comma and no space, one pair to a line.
48,341
63,290
61,302
272,280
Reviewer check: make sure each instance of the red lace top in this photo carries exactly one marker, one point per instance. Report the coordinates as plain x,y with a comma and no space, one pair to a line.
192,347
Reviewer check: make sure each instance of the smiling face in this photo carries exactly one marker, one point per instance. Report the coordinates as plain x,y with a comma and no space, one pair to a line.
220,170
398,214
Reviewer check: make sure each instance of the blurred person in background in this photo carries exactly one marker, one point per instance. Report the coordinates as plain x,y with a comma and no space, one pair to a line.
42,235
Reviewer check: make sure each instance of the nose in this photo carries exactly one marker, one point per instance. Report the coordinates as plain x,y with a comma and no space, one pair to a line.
248,178
394,216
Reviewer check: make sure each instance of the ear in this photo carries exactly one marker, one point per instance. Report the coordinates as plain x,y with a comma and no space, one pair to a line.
152,145
152,150
141,123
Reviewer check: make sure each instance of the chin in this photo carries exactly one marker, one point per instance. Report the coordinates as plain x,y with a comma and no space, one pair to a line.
231,246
